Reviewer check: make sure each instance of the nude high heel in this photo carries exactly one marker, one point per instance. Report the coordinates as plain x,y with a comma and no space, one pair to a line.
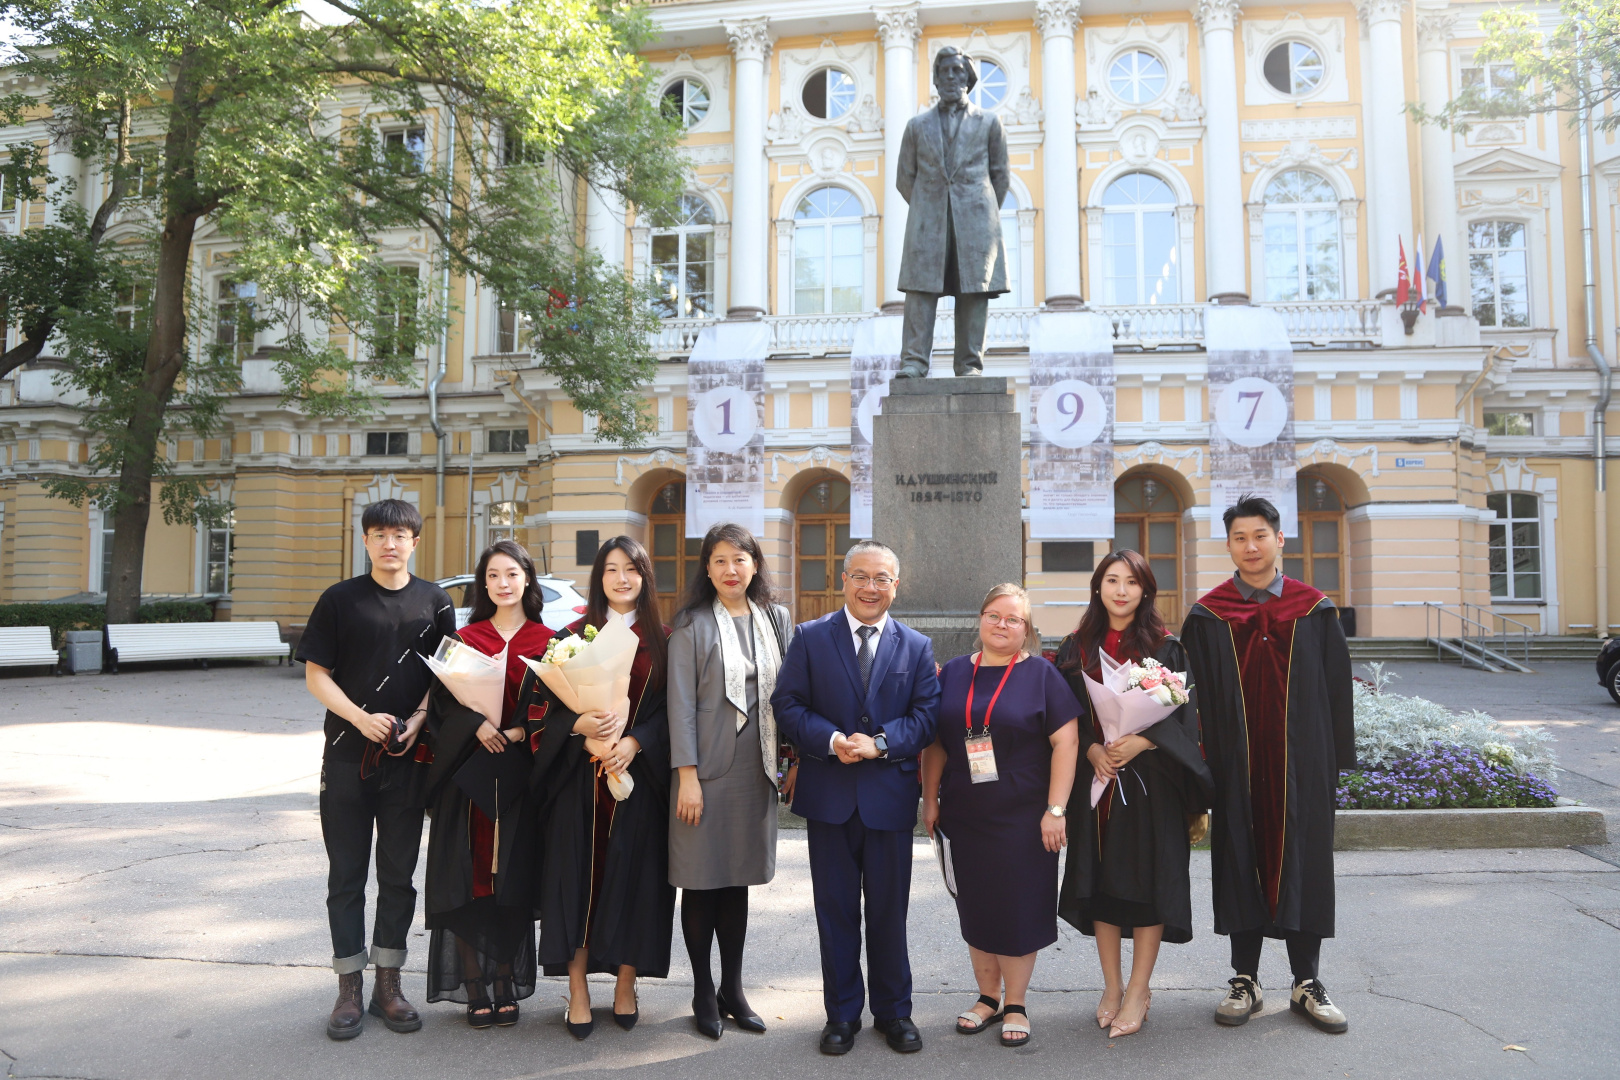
1106,1016
1131,1027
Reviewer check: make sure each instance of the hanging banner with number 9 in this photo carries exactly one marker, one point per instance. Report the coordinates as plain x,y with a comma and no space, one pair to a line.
1251,411
1071,413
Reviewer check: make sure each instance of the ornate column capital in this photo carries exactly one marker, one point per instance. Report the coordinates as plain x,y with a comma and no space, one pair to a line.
750,38
1377,11
1057,18
1217,14
1434,29
898,27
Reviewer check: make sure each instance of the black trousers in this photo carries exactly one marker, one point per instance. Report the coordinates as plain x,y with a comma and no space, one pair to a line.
350,809
1304,953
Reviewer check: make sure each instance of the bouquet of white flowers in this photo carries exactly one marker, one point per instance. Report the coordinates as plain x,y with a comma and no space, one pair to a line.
1131,698
590,672
477,680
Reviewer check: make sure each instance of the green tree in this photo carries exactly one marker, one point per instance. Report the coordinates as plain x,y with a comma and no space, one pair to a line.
1550,72
306,144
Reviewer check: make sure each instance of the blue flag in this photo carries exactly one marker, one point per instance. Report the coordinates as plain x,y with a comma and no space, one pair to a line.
1437,273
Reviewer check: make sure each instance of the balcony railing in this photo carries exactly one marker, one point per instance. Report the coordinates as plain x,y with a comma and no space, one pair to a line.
1319,323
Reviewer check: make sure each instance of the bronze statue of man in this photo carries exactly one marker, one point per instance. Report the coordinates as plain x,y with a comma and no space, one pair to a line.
953,173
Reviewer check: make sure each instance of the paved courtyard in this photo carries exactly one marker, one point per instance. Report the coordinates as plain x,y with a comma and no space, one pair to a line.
161,916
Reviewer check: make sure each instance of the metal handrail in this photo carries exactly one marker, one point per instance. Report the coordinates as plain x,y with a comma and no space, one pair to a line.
1478,640
1524,629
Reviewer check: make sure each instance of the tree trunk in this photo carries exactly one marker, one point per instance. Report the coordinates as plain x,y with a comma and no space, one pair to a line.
165,349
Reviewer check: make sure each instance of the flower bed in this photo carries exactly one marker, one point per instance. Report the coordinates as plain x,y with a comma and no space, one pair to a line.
1416,754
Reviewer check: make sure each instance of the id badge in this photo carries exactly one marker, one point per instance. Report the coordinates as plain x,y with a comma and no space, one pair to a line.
981,759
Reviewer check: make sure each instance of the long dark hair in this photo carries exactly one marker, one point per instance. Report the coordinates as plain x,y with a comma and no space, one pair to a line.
1147,630
701,592
596,604
482,606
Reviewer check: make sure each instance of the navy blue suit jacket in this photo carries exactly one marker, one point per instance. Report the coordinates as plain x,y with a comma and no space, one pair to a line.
818,692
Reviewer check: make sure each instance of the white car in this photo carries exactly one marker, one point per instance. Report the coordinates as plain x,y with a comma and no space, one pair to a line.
563,604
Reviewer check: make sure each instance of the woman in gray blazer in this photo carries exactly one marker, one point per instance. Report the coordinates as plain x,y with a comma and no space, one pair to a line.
723,657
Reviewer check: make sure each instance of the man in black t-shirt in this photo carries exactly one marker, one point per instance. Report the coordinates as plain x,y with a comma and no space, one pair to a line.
359,652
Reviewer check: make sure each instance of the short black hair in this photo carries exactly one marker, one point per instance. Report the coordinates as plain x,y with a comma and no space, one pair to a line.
1250,505
391,514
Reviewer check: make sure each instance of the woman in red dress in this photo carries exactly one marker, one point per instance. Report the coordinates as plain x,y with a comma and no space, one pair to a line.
481,870
606,904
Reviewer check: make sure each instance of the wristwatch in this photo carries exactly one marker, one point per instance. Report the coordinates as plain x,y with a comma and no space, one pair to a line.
1057,811
881,741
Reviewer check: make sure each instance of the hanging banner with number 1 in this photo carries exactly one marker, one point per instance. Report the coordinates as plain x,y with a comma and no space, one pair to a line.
725,421
1251,395
1071,426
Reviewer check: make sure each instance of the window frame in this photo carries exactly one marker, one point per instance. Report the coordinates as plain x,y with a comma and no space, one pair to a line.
228,315
1509,573
1137,212
826,71
1293,94
517,440
1130,51
687,122
683,307
389,442
403,133
1302,250
828,225
1493,253
208,562
403,329
976,95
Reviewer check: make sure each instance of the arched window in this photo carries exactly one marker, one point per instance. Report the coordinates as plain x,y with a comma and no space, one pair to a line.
991,89
1137,77
1498,272
822,517
683,261
1141,254
1515,545
1302,238
1009,240
828,260
1316,555
828,94
1293,68
687,101
674,555
1147,519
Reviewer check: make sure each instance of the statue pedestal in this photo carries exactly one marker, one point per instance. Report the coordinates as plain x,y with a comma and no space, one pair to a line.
947,496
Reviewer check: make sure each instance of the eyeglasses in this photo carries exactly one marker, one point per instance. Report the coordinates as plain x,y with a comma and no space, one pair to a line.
882,583
1011,622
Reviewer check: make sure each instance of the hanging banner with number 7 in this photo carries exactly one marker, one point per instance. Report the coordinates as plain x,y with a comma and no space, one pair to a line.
1251,395
725,427
1071,426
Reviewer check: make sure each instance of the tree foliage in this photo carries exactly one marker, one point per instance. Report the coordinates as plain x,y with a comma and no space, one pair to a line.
1552,71
458,126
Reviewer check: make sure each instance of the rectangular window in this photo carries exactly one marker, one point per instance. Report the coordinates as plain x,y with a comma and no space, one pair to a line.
513,330
586,544
506,441
220,557
394,335
503,520
130,305
106,557
1510,423
233,323
145,176
387,443
408,146
1067,557
1515,545
1498,273
1490,80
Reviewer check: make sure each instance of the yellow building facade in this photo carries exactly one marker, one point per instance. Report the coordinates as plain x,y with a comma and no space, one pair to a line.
1161,157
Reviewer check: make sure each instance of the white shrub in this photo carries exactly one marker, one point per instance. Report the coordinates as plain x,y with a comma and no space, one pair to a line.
1389,726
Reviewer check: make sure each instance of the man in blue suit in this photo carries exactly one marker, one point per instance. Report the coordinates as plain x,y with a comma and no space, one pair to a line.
857,695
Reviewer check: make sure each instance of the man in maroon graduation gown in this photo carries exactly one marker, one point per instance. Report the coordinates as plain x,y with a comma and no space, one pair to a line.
1272,670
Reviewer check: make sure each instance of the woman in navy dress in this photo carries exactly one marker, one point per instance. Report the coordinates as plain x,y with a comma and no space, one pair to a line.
1004,833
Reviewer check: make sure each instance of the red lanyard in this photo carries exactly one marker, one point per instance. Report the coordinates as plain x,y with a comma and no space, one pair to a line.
992,707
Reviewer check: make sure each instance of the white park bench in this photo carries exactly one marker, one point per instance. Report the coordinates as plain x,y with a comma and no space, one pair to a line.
26,646
202,641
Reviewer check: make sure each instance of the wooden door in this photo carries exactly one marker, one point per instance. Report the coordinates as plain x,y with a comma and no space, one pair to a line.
674,554
1316,556
1147,519
821,538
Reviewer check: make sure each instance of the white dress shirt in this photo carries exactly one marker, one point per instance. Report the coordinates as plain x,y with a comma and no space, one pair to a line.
855,636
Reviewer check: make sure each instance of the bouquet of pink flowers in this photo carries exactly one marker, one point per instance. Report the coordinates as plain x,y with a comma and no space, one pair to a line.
1129,699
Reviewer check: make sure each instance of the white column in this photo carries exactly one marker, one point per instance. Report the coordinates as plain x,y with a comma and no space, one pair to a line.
1223,168
604,224
1439,172
1390,189
899,30
751,46
1060,163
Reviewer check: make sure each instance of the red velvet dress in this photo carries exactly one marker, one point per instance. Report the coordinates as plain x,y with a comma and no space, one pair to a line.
480,887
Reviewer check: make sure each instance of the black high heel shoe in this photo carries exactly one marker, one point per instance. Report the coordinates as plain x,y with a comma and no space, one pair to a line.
706,1022
746,1021
628,1020
578,1031
506,1006
480,1010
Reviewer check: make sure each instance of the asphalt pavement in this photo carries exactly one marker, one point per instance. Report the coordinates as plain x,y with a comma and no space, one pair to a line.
162,915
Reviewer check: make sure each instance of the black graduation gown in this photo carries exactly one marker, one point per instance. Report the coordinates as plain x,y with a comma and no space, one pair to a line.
1133,852
632,917
499,927
1275,705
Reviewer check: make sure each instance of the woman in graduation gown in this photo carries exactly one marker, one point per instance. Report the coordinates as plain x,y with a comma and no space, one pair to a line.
606,904
481,870
1127,872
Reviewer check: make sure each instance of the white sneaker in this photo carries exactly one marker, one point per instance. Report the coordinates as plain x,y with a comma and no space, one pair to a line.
1310,1000
1242,1002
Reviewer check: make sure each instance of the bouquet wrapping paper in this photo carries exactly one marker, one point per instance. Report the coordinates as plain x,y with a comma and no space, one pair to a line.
596,678
476,680
1126,705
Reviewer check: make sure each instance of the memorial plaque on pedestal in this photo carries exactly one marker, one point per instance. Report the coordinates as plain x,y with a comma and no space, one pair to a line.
947,497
